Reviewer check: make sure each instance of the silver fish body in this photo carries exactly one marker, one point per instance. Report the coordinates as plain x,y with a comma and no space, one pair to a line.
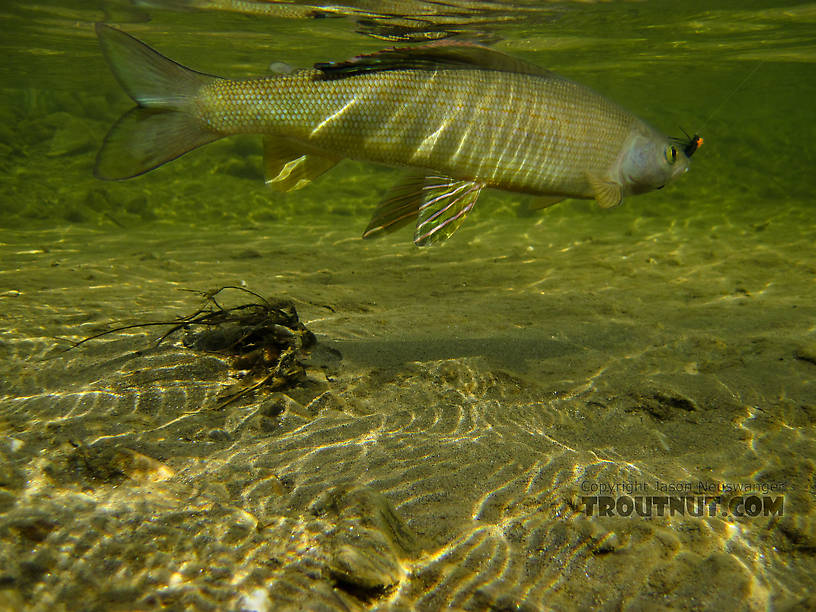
463,116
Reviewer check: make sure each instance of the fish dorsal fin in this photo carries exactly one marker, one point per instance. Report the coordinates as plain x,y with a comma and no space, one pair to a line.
442,54
608,194
439,203
288,167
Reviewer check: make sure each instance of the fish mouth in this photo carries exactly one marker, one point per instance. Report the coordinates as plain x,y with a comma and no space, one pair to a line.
679,169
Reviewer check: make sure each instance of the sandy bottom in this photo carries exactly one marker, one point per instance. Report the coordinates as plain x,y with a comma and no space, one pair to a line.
485,388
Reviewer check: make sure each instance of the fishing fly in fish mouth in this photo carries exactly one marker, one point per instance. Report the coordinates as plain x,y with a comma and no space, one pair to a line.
460,116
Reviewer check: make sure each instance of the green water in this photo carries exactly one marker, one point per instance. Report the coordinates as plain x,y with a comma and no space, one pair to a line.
485,386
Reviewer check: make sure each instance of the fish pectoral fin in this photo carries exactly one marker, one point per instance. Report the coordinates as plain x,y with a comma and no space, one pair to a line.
608,193
288,167
445,204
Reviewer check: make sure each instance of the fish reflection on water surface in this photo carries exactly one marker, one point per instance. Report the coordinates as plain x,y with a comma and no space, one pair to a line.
462,116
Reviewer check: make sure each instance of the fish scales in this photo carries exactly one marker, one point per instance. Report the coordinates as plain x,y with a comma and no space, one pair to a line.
462,116
512,131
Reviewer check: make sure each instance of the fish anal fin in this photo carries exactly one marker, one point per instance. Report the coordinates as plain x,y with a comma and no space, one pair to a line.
608,193
288,167
445,204
449,54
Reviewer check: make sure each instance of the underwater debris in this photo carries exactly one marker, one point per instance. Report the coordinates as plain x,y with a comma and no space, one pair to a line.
263,340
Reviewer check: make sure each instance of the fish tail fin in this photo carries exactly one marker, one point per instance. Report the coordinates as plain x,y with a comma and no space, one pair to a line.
162,127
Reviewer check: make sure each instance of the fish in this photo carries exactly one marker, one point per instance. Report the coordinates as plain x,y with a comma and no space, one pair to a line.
461,117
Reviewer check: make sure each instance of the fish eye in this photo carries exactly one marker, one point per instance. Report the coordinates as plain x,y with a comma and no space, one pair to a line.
671,154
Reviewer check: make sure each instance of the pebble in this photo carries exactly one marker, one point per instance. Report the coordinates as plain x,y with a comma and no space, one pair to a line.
141,468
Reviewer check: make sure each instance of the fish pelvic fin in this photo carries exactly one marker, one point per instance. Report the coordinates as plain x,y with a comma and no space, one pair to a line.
542,202
445,205
439,204
162,127
608,193
399,207
288,167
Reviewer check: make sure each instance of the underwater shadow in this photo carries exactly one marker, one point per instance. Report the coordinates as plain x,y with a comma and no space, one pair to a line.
510,352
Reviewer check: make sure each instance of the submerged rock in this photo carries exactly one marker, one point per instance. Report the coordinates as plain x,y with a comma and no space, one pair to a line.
365,563
368,541
806,352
